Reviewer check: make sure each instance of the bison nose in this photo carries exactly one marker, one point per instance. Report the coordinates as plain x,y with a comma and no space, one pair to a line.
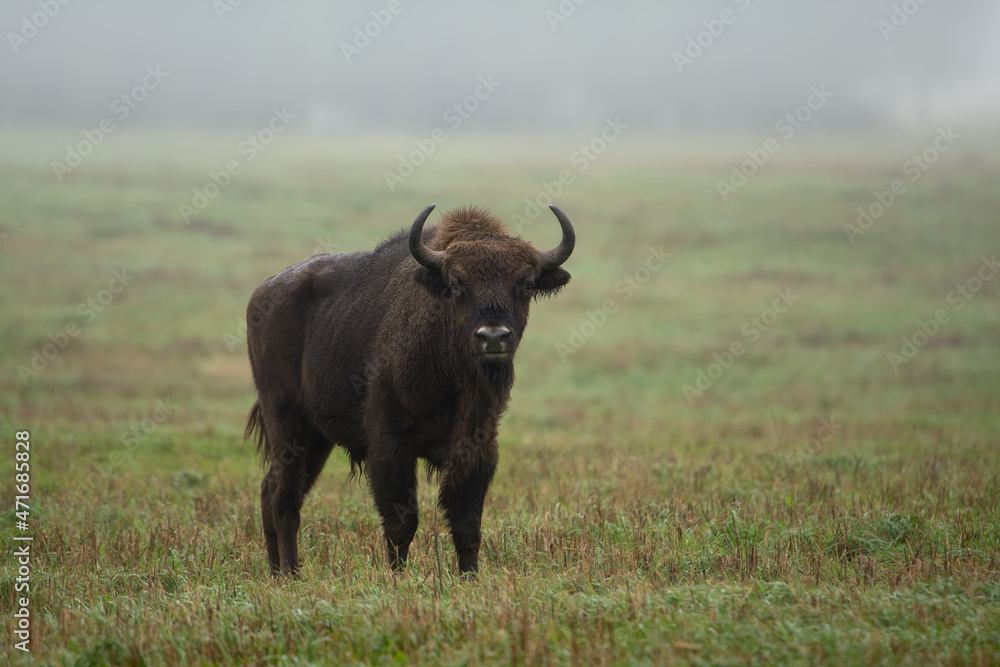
493,339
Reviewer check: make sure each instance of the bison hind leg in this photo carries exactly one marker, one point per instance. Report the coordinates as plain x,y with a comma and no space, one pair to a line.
291,447
267,489
257,431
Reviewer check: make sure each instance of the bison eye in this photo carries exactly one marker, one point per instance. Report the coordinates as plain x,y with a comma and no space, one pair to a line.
456,289
530,289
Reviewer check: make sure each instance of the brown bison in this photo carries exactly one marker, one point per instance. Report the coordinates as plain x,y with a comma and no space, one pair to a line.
399,354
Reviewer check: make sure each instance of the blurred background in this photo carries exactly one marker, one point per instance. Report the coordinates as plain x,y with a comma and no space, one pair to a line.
821,179
563,65
213,143
848,153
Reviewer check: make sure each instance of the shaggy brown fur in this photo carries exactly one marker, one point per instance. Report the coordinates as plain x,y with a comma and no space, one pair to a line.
470,223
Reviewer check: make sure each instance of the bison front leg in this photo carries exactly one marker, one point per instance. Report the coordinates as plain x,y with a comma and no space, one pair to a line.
294,468
394,487
462,502
267,489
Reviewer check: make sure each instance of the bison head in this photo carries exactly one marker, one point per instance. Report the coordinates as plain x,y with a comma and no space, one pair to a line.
489,278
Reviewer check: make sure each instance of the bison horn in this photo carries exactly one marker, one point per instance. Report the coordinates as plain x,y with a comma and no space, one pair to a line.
429,259
553,258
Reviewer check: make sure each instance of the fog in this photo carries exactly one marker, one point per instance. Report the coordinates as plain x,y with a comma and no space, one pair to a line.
552,66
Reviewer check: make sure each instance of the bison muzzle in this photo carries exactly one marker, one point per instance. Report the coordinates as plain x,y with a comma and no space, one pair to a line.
399,354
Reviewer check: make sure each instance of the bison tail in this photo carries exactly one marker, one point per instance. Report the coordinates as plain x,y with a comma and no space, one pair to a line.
255,430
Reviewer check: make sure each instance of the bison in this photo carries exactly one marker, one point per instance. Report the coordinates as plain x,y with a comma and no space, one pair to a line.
395,355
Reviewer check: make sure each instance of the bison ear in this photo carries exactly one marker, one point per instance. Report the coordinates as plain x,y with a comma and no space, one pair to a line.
551,281
433,282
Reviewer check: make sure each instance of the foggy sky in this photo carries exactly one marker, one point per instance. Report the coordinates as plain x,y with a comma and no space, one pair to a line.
557,65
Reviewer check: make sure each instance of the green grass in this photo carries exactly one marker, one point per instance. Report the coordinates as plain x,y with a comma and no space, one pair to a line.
626,524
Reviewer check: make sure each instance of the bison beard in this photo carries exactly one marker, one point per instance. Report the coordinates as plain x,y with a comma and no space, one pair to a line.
498,373
395,355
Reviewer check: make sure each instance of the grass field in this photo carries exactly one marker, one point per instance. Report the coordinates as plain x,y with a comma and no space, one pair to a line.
809,503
